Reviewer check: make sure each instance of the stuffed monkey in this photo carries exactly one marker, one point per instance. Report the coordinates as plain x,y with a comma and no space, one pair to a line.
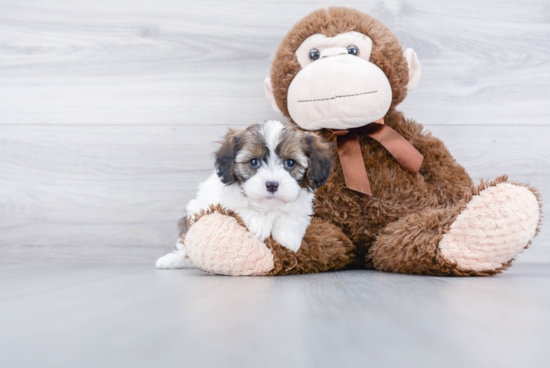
396,200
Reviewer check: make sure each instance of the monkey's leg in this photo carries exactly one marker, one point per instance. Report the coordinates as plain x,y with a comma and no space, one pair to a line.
480,237
219,242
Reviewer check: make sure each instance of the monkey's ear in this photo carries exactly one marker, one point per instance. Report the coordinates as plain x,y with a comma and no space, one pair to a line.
415,70
268,88
225,157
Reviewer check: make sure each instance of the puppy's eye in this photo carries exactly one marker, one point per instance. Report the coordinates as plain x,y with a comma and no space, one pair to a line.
314,54
353,50
290,164
254,163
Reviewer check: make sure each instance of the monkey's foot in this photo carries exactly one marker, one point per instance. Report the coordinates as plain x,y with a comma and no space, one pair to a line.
218,242
494,227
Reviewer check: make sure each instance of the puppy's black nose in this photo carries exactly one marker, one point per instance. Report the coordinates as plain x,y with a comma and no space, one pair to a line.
272,186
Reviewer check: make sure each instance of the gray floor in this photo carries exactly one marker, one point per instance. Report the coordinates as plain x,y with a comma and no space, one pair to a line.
72,315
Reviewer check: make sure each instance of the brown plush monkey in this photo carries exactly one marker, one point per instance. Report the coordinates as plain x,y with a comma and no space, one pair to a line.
343,73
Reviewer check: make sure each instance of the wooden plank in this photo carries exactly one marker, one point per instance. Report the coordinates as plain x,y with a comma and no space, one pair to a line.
185,62
100,187
100,193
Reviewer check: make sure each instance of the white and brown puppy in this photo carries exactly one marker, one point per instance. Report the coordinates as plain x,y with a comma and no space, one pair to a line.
266,173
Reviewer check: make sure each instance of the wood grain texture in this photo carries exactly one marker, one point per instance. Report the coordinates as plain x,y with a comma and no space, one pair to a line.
135,316
109,110
184,62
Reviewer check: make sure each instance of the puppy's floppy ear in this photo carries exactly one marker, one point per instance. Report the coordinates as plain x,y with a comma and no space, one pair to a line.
225,157
320,157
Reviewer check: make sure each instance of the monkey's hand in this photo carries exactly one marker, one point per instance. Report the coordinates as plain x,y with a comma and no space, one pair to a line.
219,242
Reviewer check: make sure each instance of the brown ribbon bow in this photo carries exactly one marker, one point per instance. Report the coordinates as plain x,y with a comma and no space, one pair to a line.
353,165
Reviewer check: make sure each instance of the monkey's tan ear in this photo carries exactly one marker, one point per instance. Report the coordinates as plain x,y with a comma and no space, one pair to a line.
268,88
415,70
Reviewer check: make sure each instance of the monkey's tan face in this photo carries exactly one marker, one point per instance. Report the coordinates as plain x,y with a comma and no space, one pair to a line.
338,87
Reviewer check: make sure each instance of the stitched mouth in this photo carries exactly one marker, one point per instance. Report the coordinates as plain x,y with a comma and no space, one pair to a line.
335,97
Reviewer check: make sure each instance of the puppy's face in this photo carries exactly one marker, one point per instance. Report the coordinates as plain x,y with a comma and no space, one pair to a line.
274,162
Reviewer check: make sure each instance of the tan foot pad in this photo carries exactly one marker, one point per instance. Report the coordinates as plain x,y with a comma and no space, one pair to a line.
217,243
495,226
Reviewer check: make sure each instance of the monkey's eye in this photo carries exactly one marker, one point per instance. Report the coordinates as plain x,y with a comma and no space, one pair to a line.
353,50
290,164
314,54
254,163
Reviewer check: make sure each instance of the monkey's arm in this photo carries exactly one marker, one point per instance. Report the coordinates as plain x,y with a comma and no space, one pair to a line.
449,180
219,242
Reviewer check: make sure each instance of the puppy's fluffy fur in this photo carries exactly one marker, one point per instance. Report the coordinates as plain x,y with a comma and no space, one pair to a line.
266,173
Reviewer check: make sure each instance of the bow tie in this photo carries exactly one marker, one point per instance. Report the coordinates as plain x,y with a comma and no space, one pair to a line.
351,158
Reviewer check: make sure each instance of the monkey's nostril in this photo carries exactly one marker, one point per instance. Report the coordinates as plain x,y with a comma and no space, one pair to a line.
272,186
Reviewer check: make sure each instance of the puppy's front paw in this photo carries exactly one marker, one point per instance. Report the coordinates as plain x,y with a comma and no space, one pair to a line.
290,233
174,260
290,238
257,224
291,244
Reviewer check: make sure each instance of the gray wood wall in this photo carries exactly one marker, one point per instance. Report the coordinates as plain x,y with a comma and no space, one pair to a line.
110,110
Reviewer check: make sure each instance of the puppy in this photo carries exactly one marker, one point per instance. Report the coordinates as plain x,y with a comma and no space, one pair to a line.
266,173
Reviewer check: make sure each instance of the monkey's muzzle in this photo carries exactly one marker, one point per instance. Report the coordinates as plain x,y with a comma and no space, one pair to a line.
339,92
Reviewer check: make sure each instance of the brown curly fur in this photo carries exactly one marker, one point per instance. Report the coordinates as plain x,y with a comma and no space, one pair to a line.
398,229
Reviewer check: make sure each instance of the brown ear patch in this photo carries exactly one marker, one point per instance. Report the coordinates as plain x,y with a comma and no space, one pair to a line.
253,146
291,147
225,157
320,155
